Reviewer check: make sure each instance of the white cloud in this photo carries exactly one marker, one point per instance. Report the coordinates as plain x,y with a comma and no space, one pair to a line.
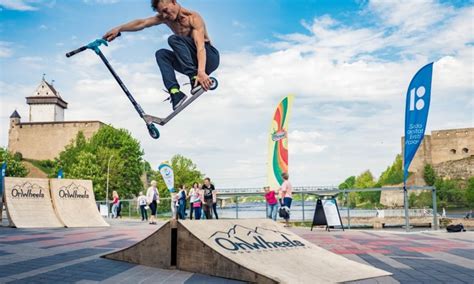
5,49
105,2
26,5
20,5
349,84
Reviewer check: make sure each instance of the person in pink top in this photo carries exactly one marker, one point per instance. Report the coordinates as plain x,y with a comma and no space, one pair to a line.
272,203
286,191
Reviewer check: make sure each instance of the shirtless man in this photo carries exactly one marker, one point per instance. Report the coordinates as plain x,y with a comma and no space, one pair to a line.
192,53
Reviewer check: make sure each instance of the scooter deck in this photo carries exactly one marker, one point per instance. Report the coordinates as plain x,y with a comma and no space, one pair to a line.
162,121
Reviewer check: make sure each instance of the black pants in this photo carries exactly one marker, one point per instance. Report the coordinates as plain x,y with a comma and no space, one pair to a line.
183,59
214,209
153,207
207,206
191,209
143,212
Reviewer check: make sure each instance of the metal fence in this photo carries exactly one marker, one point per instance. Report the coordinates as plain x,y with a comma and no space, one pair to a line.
250,203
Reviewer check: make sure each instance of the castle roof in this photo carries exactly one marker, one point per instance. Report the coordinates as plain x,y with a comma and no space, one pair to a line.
15,114
46,94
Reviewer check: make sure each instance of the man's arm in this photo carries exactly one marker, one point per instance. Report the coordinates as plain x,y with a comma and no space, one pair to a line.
133,26
198,36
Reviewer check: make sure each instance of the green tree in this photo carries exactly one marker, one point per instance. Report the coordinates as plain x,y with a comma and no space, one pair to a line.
449,193
15,168
429,175
366,180
470,192
84,159
185,173
348,183
393,174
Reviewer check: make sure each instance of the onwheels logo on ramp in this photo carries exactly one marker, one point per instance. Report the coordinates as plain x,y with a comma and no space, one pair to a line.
27,190
241,239
73,191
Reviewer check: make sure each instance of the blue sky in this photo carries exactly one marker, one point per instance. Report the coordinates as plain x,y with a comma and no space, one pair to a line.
348,63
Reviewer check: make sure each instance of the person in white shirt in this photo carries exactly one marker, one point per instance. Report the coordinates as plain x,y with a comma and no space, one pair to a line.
141,205
153,199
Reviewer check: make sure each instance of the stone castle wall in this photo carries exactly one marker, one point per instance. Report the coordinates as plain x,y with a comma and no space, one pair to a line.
45,140
442,146
450,145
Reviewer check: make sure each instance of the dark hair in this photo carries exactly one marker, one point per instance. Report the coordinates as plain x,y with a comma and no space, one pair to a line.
154,4
195,183
208,179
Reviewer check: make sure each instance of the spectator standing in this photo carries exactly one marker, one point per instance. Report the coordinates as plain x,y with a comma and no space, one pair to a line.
272,203
191,199
182,202
115,203
286,192
195,200
153,199
208,194
141,205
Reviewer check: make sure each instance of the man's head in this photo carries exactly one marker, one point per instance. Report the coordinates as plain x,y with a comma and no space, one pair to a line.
169,9
207,181
153,183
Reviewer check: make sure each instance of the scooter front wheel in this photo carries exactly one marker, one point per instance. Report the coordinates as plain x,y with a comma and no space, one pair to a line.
154,133
214,83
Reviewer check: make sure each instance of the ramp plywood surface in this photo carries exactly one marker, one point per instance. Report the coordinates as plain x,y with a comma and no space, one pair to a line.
75,204
154,250
268,249
28,203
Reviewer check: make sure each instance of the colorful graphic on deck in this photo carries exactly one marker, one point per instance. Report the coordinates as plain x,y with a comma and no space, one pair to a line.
278,143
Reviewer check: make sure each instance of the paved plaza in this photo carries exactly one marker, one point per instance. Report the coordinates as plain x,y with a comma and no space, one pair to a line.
73,255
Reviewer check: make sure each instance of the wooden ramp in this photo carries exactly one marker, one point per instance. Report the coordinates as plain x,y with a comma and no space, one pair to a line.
252,250
75,204
28,203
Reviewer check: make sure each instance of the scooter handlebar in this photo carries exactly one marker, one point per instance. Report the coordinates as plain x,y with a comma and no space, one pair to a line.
80,49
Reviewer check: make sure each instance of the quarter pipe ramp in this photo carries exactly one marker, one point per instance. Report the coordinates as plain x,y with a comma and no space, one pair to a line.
74,203
28,203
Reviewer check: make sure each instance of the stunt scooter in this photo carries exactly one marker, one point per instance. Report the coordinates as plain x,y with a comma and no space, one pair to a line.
149,119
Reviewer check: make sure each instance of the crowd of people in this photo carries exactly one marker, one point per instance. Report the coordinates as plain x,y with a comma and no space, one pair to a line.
202,201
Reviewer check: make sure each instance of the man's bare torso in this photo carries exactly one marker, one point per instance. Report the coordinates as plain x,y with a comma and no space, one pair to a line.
183,25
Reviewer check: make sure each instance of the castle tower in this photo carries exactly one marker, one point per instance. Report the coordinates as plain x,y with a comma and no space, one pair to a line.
15,119
46,105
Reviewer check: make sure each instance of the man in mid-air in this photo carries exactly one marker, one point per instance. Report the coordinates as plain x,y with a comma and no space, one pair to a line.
192,52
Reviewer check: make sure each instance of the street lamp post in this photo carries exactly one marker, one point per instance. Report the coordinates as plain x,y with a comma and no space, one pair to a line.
107,196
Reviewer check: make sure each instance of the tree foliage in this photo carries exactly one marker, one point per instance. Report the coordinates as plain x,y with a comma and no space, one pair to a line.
185,173
470,193
348,183
393,174
84,159
429,175
15,168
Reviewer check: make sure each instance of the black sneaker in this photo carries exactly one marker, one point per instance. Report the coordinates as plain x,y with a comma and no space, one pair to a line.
177,99
194,89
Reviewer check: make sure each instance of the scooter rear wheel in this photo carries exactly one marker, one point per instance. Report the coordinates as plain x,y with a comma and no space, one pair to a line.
153,131
214,83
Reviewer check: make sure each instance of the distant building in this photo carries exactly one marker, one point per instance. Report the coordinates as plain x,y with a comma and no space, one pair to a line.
449,151
46,134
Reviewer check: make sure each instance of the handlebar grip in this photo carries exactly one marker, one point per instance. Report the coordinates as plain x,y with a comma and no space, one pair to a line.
80,49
